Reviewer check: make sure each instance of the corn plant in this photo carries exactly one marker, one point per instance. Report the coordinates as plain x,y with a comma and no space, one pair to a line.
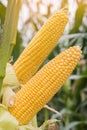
24,90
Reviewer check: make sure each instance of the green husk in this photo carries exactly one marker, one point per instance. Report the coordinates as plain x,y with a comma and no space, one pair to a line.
8,97
10,77
7,121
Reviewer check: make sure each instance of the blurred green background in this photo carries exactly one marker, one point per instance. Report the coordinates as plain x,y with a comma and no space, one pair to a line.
71,100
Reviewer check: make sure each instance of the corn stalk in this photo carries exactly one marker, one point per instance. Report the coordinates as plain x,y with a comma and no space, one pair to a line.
9,35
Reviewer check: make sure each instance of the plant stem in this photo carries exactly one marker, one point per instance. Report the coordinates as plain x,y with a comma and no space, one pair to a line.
9,35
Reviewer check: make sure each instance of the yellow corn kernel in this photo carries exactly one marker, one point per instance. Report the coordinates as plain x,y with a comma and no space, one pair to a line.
41,45
44,84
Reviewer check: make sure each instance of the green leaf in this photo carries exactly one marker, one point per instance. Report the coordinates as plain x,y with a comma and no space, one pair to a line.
78,17
73,124
74,77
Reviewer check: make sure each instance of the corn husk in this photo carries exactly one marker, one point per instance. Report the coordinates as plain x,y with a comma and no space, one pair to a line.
7,121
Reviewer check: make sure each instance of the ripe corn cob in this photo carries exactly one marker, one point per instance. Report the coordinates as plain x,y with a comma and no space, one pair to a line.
41,45
44,84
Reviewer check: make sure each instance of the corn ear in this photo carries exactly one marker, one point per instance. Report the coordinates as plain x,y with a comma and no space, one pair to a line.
42,87
40,46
